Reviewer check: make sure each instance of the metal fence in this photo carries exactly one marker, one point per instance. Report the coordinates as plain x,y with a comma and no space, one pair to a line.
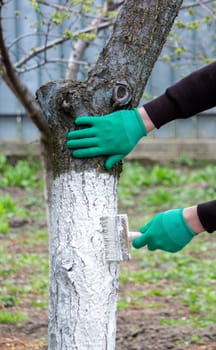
15,126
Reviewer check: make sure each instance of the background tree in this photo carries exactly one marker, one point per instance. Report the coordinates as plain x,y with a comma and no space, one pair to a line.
83,288
74,26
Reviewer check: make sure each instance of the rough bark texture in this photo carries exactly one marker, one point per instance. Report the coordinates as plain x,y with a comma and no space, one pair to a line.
138,38
83,286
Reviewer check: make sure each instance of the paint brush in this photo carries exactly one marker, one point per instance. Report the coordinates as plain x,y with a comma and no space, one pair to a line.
117,237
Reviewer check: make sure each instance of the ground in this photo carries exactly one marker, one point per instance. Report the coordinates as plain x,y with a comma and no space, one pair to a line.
139,326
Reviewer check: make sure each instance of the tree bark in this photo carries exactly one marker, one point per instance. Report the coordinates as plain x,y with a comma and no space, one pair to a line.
83,285
139,34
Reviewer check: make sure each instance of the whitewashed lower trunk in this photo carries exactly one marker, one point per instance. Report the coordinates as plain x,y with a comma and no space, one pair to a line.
83,286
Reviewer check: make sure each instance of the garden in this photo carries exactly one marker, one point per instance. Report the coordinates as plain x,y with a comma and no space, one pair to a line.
166,301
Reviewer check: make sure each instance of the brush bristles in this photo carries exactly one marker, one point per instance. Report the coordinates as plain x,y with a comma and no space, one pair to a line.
115,234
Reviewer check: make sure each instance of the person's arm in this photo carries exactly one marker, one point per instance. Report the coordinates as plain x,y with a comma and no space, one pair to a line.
115,135
149,125
173,229
168,231
191,95
190,215
207,215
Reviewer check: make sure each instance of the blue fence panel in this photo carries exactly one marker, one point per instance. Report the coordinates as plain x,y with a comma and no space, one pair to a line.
14,125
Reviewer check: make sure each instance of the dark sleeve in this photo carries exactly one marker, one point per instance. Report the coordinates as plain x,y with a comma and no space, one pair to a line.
191,95
207,215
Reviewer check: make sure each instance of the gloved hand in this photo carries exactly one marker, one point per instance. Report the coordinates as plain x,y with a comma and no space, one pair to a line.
114,134
167,231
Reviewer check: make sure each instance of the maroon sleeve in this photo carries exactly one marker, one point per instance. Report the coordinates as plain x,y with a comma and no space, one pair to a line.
207,215
191,95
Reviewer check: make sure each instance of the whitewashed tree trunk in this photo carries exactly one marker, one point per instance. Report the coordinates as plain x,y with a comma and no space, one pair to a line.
83,286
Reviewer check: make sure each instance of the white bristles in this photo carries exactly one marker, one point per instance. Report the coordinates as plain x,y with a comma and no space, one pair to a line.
111,240
116,237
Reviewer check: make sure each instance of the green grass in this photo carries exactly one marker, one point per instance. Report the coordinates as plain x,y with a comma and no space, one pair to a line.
37,280
23,174
8,301
145,191
9,209
188,276
25,177
9,317
35,238
39,303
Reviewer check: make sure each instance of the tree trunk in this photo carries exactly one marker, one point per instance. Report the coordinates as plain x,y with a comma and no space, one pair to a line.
83,285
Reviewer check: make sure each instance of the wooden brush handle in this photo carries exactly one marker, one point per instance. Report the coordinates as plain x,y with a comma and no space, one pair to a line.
133,235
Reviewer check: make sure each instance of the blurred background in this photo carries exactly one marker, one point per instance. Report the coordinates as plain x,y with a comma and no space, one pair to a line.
58,40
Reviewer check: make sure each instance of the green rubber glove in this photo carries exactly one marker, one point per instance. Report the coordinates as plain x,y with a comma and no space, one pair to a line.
167,231
114,134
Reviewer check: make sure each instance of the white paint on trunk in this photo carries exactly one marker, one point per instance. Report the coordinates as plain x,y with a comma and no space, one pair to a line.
83,286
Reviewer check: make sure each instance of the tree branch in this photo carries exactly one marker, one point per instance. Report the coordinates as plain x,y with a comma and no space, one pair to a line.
59,41
18,38
54,5
19,89
44,62
73,64
81,45
200,3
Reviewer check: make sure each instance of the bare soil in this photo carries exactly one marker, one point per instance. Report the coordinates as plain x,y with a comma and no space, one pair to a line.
138,327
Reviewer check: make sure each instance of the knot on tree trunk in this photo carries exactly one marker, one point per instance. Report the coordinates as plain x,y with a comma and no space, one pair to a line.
122,95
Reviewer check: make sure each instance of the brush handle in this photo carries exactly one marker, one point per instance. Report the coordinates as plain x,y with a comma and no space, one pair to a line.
133,235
